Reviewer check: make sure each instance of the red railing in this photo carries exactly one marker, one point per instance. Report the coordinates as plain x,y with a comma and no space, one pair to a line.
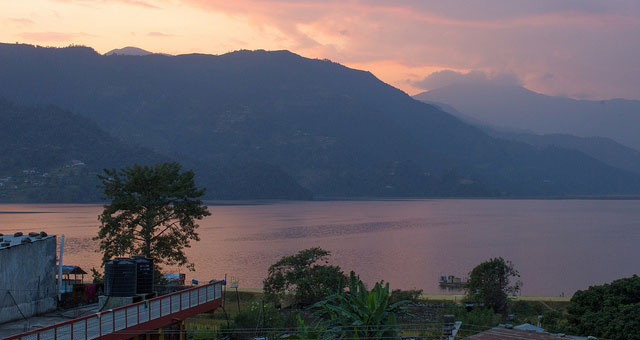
116,320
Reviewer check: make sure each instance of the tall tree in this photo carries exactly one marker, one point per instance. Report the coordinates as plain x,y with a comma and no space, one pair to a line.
153,212
305,276
610,311
490,283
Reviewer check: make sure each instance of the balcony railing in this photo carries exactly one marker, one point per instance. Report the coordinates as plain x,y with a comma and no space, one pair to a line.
118,320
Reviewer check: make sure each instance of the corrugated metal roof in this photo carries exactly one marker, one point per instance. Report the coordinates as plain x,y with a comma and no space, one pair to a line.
12,240
72,270
502,333
528,327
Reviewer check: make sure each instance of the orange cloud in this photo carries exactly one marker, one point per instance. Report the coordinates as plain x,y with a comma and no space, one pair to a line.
589,46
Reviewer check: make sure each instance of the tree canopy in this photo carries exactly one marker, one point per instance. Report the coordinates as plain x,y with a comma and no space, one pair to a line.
305,276
153,212
609,311
490,283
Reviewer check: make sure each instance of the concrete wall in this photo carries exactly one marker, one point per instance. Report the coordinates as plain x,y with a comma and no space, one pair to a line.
28,274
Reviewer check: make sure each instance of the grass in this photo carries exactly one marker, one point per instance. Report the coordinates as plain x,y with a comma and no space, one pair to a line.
207,325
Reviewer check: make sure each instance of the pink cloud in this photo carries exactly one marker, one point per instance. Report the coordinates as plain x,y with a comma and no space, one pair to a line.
140,3
21,21
159,34
579,41
590,46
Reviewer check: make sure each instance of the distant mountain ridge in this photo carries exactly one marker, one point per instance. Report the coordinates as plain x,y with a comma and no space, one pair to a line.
603,149
337,131
517,107
129,50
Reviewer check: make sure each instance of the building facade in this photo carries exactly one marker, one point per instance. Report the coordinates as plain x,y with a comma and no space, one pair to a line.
27,275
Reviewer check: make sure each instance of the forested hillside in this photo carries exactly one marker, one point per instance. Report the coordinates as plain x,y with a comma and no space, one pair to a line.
335,130
51,155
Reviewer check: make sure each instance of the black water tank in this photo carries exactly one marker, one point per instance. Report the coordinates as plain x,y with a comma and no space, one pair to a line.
144,269
120,277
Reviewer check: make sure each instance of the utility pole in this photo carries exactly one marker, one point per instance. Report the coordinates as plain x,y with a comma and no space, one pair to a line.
60,269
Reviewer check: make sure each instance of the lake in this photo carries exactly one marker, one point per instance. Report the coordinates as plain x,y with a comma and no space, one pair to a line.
559,246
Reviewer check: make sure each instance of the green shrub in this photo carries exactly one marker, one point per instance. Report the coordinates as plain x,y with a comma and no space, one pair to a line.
258,315
412,295
609,311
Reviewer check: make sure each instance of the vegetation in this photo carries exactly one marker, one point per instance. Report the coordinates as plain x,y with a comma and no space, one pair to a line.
490,283
234,111
53,155
474,320
153,212
609,311
96,276
258,315
412,295
358,313
307,275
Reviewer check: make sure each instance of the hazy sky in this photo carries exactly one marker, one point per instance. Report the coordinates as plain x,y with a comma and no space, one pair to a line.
577,48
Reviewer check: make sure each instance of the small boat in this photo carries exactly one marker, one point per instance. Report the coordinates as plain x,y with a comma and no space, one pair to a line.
452,282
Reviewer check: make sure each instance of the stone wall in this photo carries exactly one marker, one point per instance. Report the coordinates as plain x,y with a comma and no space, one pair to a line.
28,276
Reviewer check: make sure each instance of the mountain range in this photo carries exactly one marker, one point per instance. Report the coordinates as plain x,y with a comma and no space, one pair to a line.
598,146
511,106
307,124
129,50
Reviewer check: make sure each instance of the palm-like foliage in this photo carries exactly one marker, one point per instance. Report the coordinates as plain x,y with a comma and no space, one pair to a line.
359,314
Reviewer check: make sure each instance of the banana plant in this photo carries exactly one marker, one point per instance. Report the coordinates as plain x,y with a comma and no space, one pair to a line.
359,313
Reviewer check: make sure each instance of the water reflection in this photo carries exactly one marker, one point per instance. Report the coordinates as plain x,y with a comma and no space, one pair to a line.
558,246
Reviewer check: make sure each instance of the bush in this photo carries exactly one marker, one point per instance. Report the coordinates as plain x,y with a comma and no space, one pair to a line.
474,320
306,276
259,315
523,309
412,295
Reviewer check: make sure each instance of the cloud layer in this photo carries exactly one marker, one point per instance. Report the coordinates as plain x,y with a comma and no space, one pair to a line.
586,48
448,77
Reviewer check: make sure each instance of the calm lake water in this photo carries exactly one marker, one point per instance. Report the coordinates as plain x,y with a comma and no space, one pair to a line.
559,246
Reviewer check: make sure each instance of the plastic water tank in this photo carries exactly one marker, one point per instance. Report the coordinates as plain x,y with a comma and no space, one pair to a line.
120,277
144,269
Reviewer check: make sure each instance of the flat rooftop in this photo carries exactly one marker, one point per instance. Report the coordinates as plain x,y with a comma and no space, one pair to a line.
18,326
13,240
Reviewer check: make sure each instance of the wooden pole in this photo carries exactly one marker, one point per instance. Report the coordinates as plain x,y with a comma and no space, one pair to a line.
238,298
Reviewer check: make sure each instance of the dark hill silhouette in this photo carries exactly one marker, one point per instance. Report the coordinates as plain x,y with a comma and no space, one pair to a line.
338,131
517,107
51,155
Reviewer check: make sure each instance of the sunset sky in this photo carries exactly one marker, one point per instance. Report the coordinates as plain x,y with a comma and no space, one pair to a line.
581,49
